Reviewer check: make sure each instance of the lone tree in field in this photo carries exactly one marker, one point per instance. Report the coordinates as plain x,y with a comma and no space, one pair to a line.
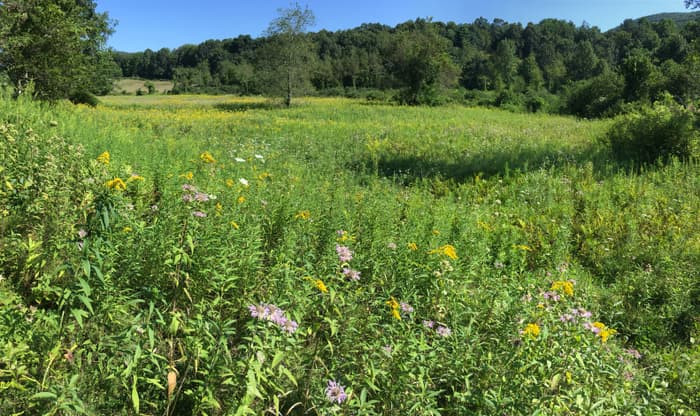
58,45
286,59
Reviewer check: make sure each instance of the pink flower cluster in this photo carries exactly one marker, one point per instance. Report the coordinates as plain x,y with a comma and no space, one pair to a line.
274,314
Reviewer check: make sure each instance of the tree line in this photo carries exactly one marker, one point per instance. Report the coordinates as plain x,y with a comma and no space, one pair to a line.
58,48
422,61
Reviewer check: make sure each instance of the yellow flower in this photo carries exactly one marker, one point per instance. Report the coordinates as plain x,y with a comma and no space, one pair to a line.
531,330
188,176
603,331
126,229
304,215
219,208
394,305
117,184
523,247
207,158
264,176
412,246
234,224
241,199
103,158
564,286
229,183
135,177
448,250
320,285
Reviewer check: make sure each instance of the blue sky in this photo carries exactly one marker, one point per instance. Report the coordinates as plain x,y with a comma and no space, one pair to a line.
159,24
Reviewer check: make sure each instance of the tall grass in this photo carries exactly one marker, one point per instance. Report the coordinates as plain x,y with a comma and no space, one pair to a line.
339,257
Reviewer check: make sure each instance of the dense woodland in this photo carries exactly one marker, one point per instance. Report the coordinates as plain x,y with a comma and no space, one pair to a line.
551,65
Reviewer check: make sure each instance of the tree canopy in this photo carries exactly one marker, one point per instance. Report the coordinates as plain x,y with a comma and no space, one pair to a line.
285,59
58,46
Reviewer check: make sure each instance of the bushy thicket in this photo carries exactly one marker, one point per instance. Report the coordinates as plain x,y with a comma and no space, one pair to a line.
657,132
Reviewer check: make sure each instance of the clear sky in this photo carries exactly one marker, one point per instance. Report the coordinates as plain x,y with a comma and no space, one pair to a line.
156,24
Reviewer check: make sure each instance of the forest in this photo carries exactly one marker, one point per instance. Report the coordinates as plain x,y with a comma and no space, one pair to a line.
552,65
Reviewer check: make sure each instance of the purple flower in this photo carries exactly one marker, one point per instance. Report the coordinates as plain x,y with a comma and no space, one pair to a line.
551,295
187,198
567,317
351,274
634,353
429,324
443,331
289,326
344,253
335,392
260,311
201,197
189,188
199,214
277,315
589,326
406,307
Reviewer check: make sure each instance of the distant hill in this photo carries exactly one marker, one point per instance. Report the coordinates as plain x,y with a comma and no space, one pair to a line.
680,18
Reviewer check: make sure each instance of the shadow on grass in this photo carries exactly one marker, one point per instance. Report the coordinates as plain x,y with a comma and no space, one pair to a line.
407,169
241,107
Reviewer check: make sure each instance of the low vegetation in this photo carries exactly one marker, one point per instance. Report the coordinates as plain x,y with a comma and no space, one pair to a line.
210,255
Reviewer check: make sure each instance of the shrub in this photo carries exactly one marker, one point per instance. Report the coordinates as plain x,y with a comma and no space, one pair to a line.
84,97
596,97
650,133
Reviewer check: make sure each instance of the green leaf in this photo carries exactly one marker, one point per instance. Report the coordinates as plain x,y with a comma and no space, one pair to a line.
135,394
86,267
44,395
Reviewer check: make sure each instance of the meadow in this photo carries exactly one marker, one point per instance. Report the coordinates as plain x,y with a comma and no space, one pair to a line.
176,255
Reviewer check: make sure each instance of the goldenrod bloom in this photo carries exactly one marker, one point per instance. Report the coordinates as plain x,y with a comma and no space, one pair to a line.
531,330
602,331
207,158
117,184
320,285
448,250
103,158
563,286
412,246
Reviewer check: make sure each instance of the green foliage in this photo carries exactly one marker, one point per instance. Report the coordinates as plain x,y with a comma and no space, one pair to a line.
649,133
286,57
189,255
600,96
55,45
84,97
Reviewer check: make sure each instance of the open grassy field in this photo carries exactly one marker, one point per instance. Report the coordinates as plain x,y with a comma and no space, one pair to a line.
132,85
228,256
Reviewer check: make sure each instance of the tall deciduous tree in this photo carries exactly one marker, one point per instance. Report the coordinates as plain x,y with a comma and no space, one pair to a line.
286,59
420,62
58,45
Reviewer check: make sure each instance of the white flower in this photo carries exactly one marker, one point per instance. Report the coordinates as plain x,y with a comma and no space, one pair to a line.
259,157
240,160
243,181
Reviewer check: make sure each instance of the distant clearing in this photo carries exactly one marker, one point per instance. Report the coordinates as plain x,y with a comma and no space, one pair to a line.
132,85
